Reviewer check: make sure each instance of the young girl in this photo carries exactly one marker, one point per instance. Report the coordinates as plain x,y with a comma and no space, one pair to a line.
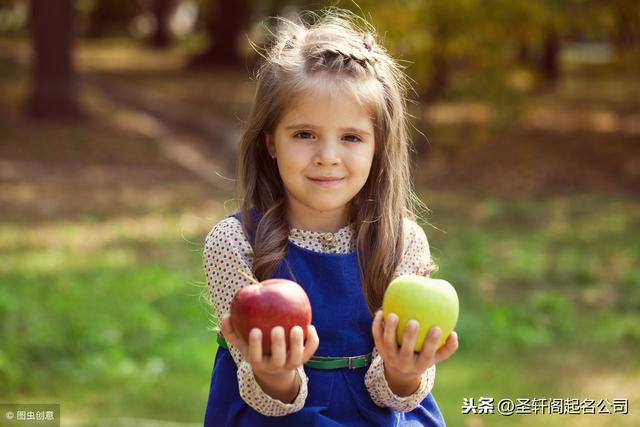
326,202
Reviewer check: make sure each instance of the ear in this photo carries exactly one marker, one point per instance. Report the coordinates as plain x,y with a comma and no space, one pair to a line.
271,146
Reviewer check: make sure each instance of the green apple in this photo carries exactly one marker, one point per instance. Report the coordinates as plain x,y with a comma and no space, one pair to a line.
432,302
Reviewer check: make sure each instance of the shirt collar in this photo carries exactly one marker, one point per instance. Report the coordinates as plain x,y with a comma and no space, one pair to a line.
344,234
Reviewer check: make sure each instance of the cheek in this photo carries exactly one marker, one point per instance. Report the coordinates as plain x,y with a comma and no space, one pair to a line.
362,164
292,160
291,166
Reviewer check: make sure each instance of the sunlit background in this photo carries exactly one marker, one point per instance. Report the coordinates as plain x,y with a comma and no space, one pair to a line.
119,122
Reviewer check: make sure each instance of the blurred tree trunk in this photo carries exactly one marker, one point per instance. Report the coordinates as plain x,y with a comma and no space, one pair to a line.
626,30
110,17
161,37
439,80
224,26
53,79
549,61
523,51
439,77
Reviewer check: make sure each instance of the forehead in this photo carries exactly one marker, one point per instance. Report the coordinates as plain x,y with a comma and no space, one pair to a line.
330,101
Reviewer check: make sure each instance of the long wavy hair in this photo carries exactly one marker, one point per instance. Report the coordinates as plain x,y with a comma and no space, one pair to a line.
337,46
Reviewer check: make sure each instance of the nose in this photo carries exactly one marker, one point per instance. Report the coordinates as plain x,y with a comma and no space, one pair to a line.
327,155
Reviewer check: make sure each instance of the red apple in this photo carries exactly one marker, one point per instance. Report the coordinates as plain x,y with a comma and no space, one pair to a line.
273,302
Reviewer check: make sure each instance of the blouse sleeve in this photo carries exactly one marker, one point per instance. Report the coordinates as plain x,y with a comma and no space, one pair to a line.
416,260
226,250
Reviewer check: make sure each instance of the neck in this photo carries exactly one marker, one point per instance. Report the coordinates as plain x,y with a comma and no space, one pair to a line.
329,221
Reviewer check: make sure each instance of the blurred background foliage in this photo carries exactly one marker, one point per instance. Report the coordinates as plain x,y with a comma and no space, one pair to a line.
118,126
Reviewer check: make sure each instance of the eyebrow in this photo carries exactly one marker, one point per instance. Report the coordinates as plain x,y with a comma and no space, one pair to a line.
310,126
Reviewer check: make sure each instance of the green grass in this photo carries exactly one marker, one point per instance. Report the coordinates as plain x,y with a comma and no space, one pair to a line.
549,374
79,322
541,270
116,327
549,290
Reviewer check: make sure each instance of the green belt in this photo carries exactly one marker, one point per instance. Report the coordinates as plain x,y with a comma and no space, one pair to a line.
318,362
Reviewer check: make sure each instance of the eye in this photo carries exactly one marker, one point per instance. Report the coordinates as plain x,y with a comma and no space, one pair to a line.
356,138
303,135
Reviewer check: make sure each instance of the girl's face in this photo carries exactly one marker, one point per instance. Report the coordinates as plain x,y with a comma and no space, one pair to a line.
324,147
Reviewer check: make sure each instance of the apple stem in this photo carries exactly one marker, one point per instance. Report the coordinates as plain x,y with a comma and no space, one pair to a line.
246,276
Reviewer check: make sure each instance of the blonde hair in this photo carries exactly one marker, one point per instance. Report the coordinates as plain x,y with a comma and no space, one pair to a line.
339,47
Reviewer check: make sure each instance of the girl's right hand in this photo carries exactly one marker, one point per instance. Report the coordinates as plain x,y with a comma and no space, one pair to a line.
280,366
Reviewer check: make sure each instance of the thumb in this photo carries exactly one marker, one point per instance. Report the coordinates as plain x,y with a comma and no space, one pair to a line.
227,330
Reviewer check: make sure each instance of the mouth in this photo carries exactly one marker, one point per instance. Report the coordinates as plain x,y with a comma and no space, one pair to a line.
325,180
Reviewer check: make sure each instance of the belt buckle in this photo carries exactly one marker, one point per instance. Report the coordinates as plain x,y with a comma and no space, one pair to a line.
351,359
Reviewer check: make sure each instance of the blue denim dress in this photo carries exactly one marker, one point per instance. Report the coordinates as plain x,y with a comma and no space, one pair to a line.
336,397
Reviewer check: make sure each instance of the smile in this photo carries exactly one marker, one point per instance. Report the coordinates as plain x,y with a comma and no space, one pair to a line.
326,182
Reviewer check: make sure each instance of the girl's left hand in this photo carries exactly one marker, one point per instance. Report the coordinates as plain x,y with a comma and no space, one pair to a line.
402,363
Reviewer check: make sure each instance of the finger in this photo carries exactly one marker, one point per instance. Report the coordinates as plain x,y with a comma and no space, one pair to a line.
296,337
377,330
409,341
255,348
230,336
449,347
278,347
312,343
427,354
389,339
